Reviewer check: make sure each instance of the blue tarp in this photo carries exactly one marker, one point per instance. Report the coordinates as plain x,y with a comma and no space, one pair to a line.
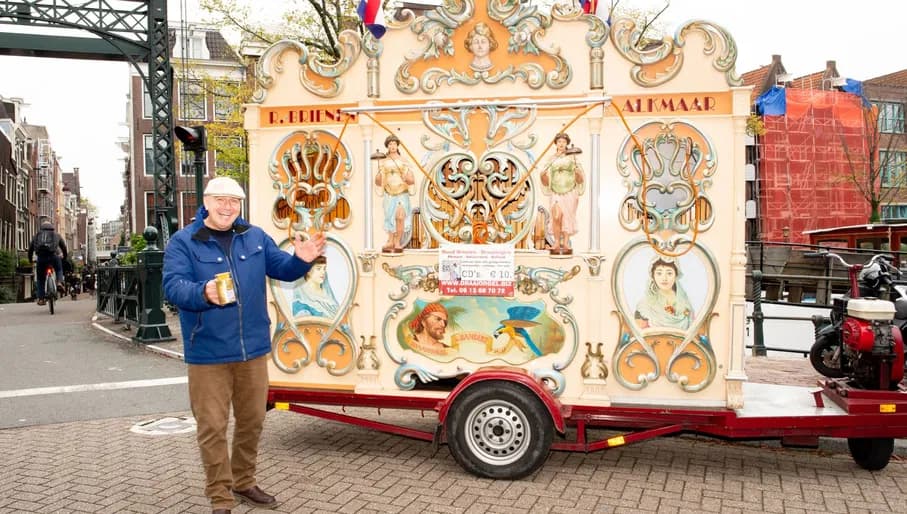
772,103
855,87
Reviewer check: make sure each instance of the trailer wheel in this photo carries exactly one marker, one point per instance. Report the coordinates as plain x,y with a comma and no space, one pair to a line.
822,356
872,453
499,430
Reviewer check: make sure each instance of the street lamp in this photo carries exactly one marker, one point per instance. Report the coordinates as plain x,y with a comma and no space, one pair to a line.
195,140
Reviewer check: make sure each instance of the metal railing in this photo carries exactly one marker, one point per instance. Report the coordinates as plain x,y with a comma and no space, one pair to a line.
118,294
134,294
792,279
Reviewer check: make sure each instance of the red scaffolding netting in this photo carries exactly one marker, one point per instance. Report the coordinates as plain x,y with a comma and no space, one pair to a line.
810,157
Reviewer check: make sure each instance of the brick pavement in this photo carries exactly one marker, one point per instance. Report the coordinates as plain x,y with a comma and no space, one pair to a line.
319,466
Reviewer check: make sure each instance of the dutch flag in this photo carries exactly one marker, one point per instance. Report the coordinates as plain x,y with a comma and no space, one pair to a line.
596,7
372,16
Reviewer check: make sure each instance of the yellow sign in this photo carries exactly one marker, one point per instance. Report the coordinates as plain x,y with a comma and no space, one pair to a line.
282,405
304,115
888,408
616,441
687,104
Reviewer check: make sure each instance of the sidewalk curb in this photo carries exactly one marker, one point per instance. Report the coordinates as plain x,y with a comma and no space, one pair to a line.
150,347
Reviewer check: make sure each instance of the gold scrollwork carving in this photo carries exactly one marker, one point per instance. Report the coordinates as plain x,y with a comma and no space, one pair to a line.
326,81
656,64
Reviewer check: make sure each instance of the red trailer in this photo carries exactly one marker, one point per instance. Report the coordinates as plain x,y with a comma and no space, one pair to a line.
501,422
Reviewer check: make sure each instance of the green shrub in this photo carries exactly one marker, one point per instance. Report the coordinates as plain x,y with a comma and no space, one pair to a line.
137,243
8,262
7,295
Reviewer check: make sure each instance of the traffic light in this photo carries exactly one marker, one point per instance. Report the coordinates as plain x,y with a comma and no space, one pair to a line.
194,139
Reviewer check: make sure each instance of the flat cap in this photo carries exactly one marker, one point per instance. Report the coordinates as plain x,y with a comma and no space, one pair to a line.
224,186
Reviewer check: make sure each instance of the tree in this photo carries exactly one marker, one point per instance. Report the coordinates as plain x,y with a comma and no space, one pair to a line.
137,244
876,162
314,23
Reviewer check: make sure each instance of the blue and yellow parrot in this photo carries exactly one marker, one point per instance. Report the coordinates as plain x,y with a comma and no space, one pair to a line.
515,328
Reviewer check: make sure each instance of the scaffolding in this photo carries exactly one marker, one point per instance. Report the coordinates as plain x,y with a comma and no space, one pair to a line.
811,157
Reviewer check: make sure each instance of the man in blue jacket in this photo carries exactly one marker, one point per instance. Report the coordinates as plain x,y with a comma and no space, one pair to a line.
226,344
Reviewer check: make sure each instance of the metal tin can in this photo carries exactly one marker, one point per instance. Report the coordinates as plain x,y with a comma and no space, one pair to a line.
225,292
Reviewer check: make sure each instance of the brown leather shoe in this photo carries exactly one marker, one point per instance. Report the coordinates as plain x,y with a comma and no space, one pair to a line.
255,496
220,511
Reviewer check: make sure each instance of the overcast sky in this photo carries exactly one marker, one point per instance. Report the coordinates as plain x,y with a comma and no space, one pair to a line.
83,103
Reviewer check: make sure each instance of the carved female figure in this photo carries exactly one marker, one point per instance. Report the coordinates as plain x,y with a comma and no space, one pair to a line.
563,181
481,42
395,178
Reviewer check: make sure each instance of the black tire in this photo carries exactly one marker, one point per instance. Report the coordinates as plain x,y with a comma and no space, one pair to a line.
820,355
50,303
872,453
499,430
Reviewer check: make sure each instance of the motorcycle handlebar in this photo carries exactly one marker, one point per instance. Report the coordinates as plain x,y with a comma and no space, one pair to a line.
886,258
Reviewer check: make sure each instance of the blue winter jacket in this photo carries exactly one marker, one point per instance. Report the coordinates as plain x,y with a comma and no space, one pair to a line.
242,330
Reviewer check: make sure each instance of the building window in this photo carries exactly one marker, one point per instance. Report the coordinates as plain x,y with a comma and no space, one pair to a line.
894,211
187,207
187,164
149,208
893,166
146,101
149,154
891,117
192,101
224,107
229,151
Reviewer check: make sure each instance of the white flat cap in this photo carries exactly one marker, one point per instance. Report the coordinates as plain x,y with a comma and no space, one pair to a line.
224,186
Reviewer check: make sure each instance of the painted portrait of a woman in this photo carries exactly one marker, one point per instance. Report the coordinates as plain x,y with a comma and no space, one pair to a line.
314,296
664,302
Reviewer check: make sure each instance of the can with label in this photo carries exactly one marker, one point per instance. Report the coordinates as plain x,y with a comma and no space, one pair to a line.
225,292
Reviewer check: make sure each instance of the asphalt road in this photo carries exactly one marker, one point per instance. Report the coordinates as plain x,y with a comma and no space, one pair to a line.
56,369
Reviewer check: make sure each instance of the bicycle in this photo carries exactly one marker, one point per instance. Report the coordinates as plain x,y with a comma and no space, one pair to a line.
50,287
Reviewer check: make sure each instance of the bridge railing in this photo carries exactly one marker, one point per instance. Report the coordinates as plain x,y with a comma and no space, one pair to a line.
781,273
134,295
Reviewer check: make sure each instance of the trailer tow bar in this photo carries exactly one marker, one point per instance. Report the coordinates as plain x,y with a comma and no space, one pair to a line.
582,445
354,420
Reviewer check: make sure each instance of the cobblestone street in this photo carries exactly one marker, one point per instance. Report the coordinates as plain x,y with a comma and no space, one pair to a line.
319,466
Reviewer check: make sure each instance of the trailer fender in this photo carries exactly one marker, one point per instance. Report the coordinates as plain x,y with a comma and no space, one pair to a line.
509,374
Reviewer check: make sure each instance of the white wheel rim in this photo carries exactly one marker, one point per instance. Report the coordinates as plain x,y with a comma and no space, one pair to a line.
497,432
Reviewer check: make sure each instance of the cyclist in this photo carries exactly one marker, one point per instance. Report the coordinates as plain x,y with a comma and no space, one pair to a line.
48,246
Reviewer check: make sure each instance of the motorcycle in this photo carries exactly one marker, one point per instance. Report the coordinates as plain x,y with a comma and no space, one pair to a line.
861,340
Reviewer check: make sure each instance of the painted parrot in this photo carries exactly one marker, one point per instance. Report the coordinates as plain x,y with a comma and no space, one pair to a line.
515,330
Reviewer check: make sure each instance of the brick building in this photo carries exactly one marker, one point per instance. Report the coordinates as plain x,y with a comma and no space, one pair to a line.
197,53
888,93
811,151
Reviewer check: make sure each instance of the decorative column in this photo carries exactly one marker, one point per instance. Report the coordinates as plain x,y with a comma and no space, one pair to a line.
736,374
594,369
368,361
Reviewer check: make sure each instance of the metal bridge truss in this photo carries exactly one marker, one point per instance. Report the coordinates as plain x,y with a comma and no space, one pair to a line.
121,30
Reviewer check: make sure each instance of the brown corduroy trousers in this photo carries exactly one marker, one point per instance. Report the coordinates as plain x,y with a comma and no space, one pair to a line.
213,388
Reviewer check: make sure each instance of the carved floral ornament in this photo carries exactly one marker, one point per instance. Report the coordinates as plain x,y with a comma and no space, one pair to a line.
310,170
667,192
438,29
